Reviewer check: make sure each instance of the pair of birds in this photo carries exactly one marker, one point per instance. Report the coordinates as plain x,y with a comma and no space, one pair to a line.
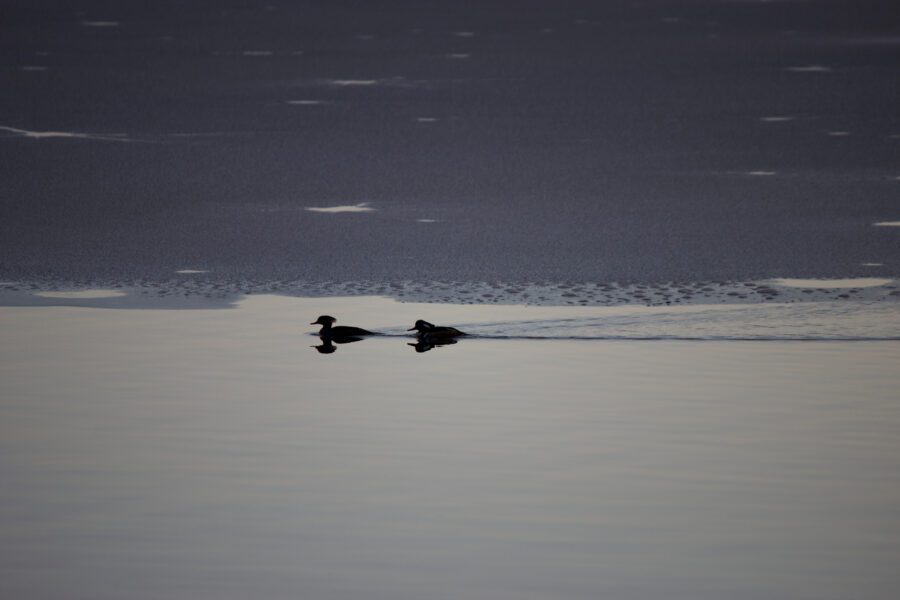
425,331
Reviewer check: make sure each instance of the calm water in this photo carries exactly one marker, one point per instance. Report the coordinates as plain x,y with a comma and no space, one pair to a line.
216,454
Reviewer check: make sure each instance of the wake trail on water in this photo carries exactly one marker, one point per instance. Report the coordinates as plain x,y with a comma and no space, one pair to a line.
811,322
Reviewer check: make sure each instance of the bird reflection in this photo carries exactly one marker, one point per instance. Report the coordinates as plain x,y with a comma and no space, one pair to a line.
327,345
424,345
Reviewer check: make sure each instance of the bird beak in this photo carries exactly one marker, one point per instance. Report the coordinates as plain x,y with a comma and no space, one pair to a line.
411,329
314,323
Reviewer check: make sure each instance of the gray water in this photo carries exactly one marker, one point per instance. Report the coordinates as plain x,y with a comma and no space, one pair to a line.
215,454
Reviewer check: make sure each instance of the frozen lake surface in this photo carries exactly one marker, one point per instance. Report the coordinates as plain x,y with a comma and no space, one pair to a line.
531,141
216,454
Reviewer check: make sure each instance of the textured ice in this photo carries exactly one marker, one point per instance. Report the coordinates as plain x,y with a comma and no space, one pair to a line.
591,155
205,288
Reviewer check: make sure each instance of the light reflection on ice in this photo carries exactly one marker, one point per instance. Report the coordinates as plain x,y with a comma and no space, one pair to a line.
809,69
396,81
857,282
83,294
352,208
40,135
352,82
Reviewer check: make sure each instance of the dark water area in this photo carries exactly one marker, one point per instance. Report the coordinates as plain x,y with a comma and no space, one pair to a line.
560,141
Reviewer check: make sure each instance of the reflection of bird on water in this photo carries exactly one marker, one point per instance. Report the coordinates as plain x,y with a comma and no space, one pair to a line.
327,345
425,345
426,331
339,333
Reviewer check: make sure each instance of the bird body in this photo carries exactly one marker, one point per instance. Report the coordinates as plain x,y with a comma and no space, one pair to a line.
341,331
428,331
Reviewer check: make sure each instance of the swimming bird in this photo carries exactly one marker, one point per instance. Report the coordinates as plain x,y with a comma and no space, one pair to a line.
428,331
341,331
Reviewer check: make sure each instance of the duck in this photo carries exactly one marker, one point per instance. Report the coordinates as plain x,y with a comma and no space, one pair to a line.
428,331
341,331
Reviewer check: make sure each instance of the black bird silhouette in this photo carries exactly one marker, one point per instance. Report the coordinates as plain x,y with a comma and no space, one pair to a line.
428,331
341,331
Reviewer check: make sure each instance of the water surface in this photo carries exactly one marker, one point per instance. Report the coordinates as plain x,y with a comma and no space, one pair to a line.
216,454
